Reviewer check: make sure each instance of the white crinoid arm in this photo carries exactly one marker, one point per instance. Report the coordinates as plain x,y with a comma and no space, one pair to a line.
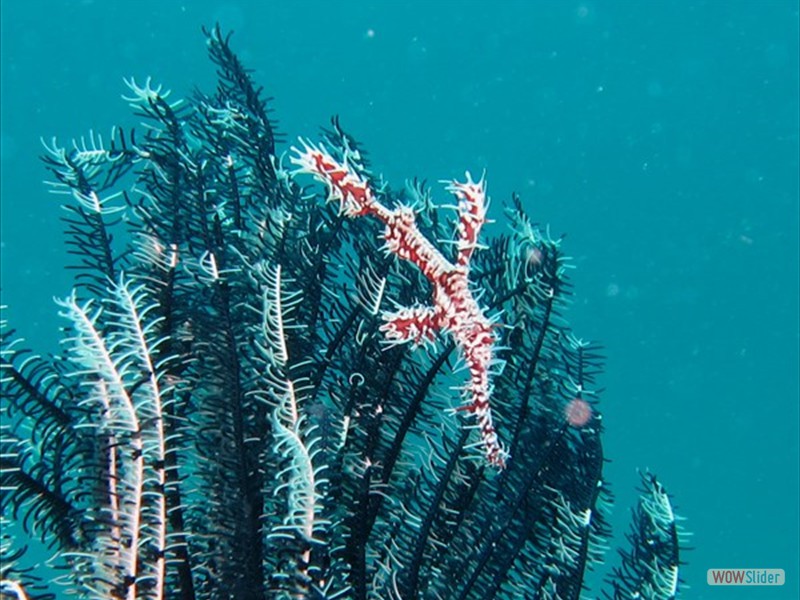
299,479
113,348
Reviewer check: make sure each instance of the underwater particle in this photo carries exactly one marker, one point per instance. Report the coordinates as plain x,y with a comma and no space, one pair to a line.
417,51
655,89
585,14
8,147
578,412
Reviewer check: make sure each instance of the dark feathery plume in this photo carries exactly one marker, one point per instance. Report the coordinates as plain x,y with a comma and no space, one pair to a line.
650,566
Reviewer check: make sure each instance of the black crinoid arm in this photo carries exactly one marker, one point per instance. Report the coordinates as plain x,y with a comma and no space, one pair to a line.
227,419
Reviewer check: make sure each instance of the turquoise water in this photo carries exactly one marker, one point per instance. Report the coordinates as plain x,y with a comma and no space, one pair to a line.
662,137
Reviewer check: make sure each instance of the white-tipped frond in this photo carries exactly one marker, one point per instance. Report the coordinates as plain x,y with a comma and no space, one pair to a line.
299,479
144,94
277,306
370,289
114,348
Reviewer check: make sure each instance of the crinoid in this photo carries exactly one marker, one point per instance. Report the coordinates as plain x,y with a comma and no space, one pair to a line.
236,413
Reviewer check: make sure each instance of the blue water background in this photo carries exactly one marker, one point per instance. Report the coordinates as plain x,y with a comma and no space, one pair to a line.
661,136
